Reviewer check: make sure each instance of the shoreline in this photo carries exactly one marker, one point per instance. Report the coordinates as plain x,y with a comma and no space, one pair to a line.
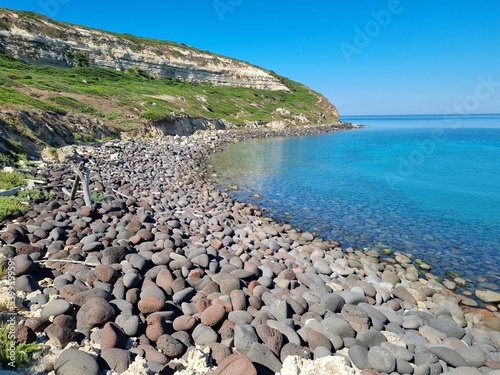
198,268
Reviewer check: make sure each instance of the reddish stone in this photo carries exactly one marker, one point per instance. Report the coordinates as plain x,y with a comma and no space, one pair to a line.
86,211
235,364
135,239
216,243
105,273
155,327
71,292
202,304
95,312
65,321
133,295
25,334
213,315
113,337
150,305
185,323
195,274
238,300
164,280
252,284
62,336
228,307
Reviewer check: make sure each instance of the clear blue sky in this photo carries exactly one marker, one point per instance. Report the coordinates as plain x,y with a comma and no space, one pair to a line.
367,57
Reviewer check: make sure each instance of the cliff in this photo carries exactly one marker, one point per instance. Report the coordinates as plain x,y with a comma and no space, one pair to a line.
36,39
63,84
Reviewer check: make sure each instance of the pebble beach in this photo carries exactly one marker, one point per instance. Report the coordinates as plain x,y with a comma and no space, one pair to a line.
167,274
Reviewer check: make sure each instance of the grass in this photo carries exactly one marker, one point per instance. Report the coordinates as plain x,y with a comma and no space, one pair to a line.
22,351
11,180
13,203
135,90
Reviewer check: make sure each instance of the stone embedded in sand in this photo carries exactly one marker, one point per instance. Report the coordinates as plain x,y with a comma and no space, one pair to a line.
61,336
116,359
26,283
218,352
73,361
95,312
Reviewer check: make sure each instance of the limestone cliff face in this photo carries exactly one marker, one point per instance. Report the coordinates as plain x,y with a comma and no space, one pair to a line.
36,39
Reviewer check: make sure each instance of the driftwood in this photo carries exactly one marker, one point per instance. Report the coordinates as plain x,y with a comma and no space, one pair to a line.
13,191
121,194
82,175
66,261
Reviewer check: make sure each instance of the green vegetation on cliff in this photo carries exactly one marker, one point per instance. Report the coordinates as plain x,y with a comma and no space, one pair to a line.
53,105
126,99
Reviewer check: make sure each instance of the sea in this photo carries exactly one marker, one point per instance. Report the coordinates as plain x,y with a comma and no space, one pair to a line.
425,185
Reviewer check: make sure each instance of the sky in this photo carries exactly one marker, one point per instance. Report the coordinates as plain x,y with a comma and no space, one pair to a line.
366,57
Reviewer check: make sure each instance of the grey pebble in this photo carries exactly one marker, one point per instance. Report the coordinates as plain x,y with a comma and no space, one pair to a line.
381,359
73,361
26,283
56,307
244,336
259,353
359,356
203,335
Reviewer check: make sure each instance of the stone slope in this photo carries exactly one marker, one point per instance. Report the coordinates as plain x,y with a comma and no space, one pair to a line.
33,38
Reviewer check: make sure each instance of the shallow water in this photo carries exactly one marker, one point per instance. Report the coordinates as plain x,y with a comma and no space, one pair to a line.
427,186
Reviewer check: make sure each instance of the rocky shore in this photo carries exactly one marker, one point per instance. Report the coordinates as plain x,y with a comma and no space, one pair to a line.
167,274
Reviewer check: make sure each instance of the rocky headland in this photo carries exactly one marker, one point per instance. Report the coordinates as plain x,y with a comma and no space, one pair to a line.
167,274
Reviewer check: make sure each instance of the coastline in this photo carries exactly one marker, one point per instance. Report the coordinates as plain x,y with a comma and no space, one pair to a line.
264,288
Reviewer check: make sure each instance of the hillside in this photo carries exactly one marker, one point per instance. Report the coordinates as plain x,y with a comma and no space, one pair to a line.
61,84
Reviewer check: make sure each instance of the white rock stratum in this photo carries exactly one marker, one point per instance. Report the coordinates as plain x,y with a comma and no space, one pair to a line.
36,39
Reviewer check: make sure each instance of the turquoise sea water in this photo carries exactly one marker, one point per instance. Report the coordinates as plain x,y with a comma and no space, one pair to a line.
425,185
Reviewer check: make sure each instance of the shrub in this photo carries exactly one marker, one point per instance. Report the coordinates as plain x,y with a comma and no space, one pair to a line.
22,351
